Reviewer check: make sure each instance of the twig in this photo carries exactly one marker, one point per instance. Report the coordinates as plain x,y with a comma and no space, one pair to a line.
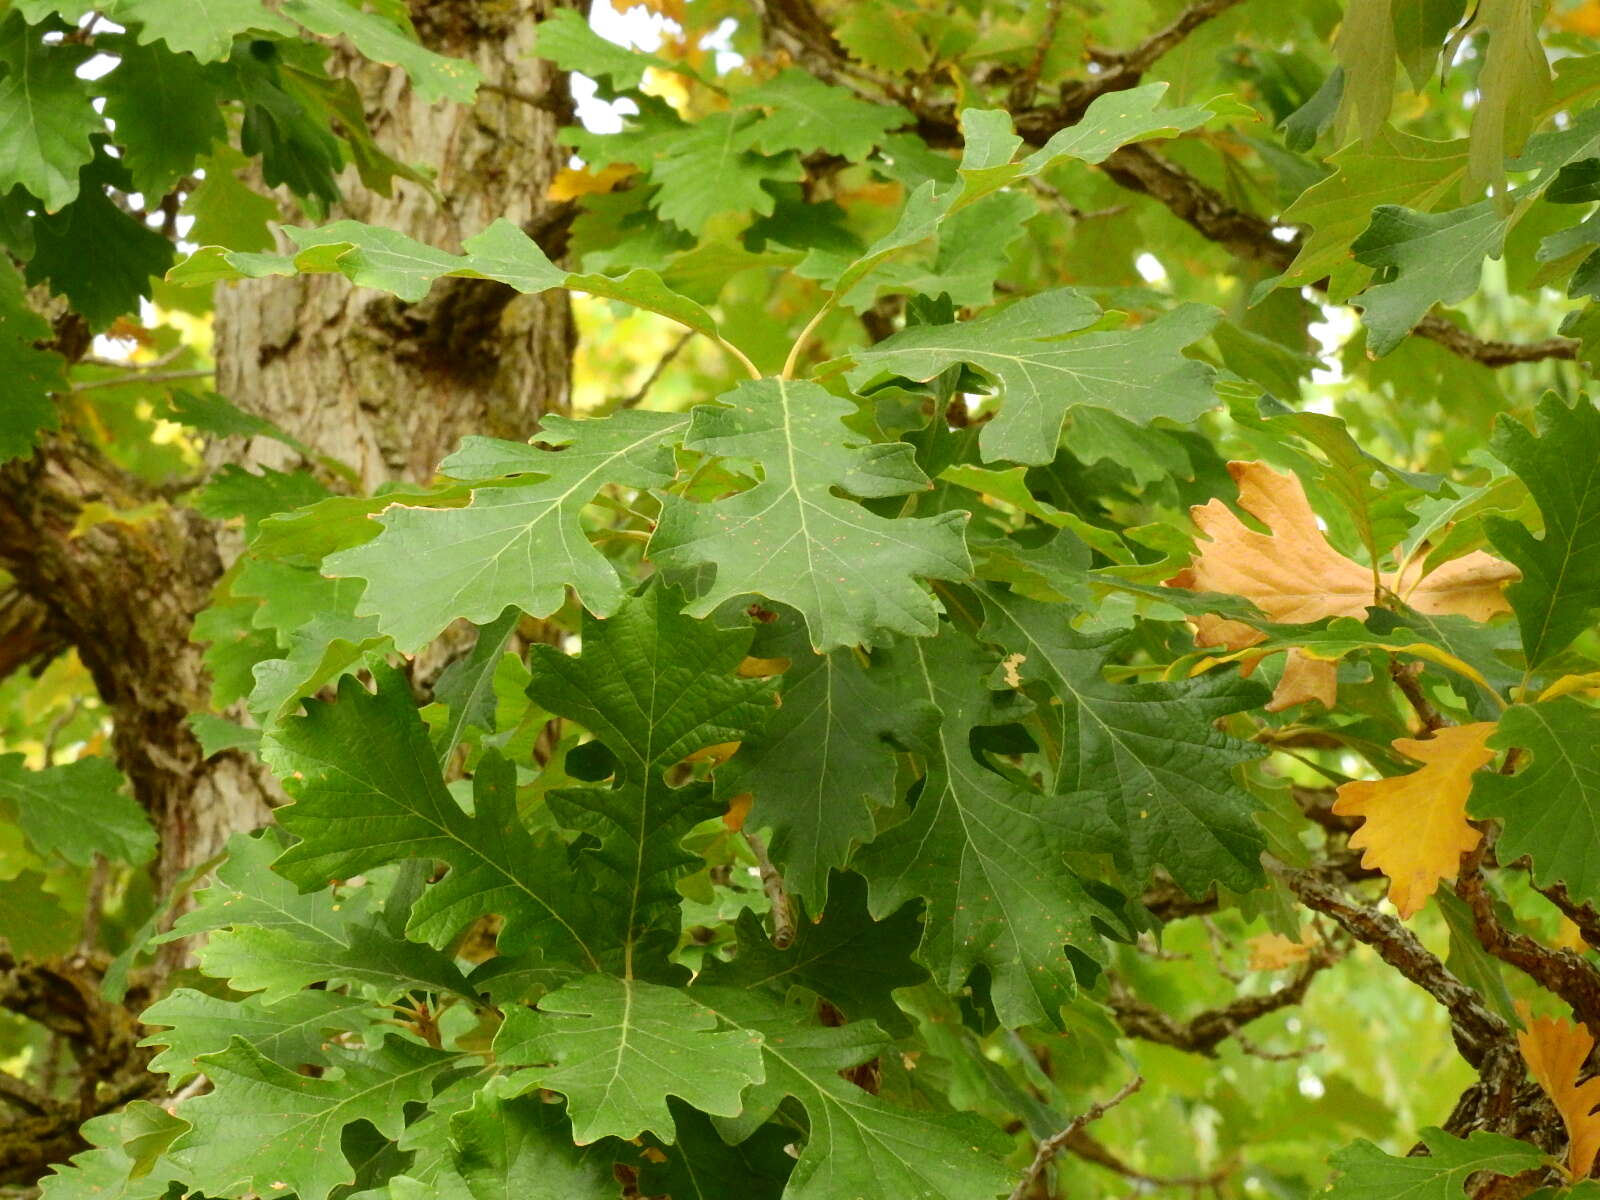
1086,1146
1204,1032
1581,915
772,884
551,104
665,361
1057,1142
147,377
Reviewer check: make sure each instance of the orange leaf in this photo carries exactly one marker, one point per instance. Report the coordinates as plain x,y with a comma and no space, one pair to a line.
1305,678
1415,826
1294,576
1555,1051
738,810
1584,19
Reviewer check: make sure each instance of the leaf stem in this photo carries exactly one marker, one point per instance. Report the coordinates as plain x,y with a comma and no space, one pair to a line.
793,361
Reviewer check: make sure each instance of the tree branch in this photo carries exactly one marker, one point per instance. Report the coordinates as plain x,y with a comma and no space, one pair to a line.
1566,974
1477,1031
1204,1032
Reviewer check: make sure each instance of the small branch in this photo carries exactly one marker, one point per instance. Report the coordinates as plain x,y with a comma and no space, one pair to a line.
23,1096
145,377
552,104
1086,1146
1057,1142
665,361
772,885
1204,1032
1581,915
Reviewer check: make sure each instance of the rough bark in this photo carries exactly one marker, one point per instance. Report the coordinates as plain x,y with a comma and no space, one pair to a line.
388,387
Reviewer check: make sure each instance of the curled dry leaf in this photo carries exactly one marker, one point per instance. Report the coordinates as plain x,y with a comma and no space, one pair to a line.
1414,826
1294,576
1555,1051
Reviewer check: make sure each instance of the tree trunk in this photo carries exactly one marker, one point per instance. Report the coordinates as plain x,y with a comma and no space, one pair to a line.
388,387
391,387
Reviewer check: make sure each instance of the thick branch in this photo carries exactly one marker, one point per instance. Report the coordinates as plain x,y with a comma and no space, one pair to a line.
1566,974
1477,1030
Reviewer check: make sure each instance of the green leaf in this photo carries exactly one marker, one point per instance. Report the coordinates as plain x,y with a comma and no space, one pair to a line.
825,763
434,76
1513,87
105,285
842,955
1392,169
466,686
1365,48
1550,809
76,810
1137,372
167,111
523,1147
858,1145
35,924
699,1165
709,169
226,210
31,373
1434,259
1144,761
293,1032
807,115
276,941
203,28
46,116
986,852
617,1048
851,574
653,686
1556,598
521,545
1367,1173
368,792
568,40
122,1165
1420,29
266,1128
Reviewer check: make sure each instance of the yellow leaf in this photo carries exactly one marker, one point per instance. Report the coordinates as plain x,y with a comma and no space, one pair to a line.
671,9
1414,826
572,182
1583,18
1555,1051
1274,952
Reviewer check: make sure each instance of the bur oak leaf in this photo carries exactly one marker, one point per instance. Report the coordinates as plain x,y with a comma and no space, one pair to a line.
1414,826
1556,1052
1138,372
617,1048
520,544
852,574
1295,577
